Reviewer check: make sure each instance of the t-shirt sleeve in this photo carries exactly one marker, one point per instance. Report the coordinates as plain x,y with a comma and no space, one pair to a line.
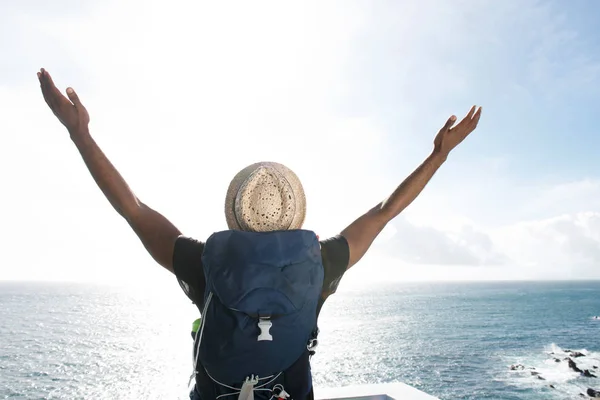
336,256
187,265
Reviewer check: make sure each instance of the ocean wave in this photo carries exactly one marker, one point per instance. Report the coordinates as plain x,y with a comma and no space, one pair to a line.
549,371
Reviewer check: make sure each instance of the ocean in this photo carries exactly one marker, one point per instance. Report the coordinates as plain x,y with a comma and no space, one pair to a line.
452,340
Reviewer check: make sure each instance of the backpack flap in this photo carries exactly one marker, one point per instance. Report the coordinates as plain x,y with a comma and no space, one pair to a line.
284,265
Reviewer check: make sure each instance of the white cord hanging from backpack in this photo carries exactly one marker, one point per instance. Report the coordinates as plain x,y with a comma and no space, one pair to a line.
281,394
247,391
199,333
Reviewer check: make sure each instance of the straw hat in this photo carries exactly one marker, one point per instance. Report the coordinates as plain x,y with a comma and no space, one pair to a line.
265,196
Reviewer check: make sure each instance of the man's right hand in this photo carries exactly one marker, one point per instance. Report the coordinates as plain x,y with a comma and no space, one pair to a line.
69,111
156,232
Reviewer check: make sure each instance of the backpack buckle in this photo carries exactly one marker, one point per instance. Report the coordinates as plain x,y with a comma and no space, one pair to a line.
264,325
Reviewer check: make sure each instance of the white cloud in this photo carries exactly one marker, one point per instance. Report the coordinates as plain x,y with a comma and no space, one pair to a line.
564,247
428,245
560,239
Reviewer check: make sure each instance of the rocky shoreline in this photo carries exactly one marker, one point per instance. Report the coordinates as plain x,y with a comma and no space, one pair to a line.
592,372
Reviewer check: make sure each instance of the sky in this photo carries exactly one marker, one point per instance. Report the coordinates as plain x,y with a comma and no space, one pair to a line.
349,95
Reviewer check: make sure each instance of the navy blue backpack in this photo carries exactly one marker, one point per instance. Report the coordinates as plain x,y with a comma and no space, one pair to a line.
260,315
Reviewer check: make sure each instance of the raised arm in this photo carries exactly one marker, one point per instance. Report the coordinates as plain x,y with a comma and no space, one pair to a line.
156,233
361,233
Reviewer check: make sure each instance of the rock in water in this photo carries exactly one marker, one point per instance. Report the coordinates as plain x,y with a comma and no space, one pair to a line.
573,366
587,373
593,393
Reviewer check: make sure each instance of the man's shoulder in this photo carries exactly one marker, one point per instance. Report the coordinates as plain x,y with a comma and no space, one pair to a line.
335,253
187,242
335,249
187,264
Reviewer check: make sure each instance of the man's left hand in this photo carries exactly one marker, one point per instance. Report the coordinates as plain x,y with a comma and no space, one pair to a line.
450,136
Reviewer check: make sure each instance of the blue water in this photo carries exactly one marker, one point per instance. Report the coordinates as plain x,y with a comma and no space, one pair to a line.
455,341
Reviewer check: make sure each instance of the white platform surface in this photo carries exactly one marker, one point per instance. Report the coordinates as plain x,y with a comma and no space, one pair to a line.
391,391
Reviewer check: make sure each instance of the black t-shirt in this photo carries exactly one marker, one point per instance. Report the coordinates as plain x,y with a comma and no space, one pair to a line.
187,264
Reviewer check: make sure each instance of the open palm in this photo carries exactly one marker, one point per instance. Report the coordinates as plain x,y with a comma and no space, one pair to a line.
69,111
450,136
